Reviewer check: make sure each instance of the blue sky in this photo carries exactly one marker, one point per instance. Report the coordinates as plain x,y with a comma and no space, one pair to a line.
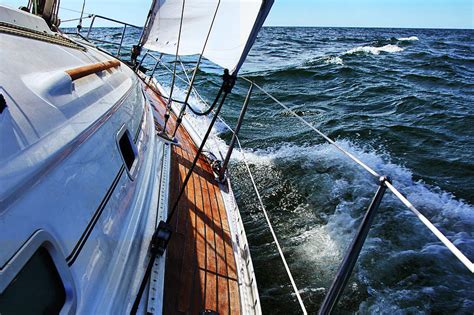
359,13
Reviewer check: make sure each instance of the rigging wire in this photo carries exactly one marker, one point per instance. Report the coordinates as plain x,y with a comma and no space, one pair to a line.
459,255
168,106
76,11
456,252
183,107
76,19
196,112
79,25
275,239
350,155
185,81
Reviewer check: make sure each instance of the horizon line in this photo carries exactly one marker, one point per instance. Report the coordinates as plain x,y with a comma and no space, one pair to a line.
386,27
319,26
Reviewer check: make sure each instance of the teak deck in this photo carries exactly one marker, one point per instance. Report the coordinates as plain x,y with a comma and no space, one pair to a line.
200,264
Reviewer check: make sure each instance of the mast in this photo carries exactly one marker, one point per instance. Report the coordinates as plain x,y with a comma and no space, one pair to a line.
47,9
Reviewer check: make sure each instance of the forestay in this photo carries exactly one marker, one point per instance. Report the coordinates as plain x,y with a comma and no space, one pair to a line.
232,26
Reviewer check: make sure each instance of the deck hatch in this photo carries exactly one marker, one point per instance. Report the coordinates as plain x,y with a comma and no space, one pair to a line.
127,148
36,289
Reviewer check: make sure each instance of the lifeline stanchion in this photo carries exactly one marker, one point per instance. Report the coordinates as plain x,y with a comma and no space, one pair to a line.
235,134
350,259
227,86
454,250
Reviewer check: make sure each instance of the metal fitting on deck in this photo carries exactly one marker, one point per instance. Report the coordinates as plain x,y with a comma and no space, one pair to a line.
160,238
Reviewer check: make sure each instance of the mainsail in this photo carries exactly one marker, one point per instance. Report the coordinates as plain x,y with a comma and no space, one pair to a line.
224,30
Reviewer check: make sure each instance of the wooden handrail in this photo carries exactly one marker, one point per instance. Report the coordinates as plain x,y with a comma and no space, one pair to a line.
83,71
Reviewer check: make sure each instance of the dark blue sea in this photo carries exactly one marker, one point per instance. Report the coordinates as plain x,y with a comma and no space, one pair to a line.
402,100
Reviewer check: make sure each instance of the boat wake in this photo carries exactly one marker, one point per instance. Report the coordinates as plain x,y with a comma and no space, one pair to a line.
317,216
329,216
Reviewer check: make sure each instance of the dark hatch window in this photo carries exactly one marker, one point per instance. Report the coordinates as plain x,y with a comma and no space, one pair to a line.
37,289
128,149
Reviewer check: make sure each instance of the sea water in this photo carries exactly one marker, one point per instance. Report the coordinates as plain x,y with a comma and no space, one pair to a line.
401,100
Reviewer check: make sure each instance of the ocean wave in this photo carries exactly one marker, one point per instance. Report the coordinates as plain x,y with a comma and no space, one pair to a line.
374,50
407,39
334,60
433,200
397,238
328,60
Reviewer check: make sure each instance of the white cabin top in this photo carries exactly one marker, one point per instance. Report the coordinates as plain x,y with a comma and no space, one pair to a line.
23,19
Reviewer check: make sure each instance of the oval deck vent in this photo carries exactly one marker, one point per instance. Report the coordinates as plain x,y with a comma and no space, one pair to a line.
127,148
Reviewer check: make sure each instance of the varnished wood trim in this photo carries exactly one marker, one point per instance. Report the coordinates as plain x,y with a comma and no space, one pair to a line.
80,72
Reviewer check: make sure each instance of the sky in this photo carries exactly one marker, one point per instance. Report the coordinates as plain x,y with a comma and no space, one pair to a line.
343,13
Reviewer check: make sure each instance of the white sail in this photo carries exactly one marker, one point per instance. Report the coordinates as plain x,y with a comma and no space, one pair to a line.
233,26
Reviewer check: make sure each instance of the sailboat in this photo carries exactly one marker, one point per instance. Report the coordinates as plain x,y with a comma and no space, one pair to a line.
107,205
110,201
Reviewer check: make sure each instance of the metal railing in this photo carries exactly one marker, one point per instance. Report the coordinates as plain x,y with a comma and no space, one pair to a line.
118,43
352,254
157,62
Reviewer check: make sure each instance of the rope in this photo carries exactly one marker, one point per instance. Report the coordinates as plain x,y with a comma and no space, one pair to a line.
37,35
196,112
456,252
459,255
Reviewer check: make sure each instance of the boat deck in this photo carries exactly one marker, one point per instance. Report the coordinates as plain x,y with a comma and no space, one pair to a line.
200,264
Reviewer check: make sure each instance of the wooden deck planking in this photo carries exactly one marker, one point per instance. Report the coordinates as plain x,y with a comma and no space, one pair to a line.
223,289
234,297
200,267
188,267
176,241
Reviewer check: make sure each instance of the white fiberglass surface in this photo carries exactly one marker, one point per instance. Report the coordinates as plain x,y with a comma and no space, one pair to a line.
41,118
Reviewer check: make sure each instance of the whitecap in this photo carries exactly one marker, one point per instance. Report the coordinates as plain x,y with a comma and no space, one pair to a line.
334,61
411,38
440,206
329,60
322,246
375,50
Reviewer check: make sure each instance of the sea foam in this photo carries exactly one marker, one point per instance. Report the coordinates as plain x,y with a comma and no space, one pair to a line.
438,205
334,61
374,50
411,38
